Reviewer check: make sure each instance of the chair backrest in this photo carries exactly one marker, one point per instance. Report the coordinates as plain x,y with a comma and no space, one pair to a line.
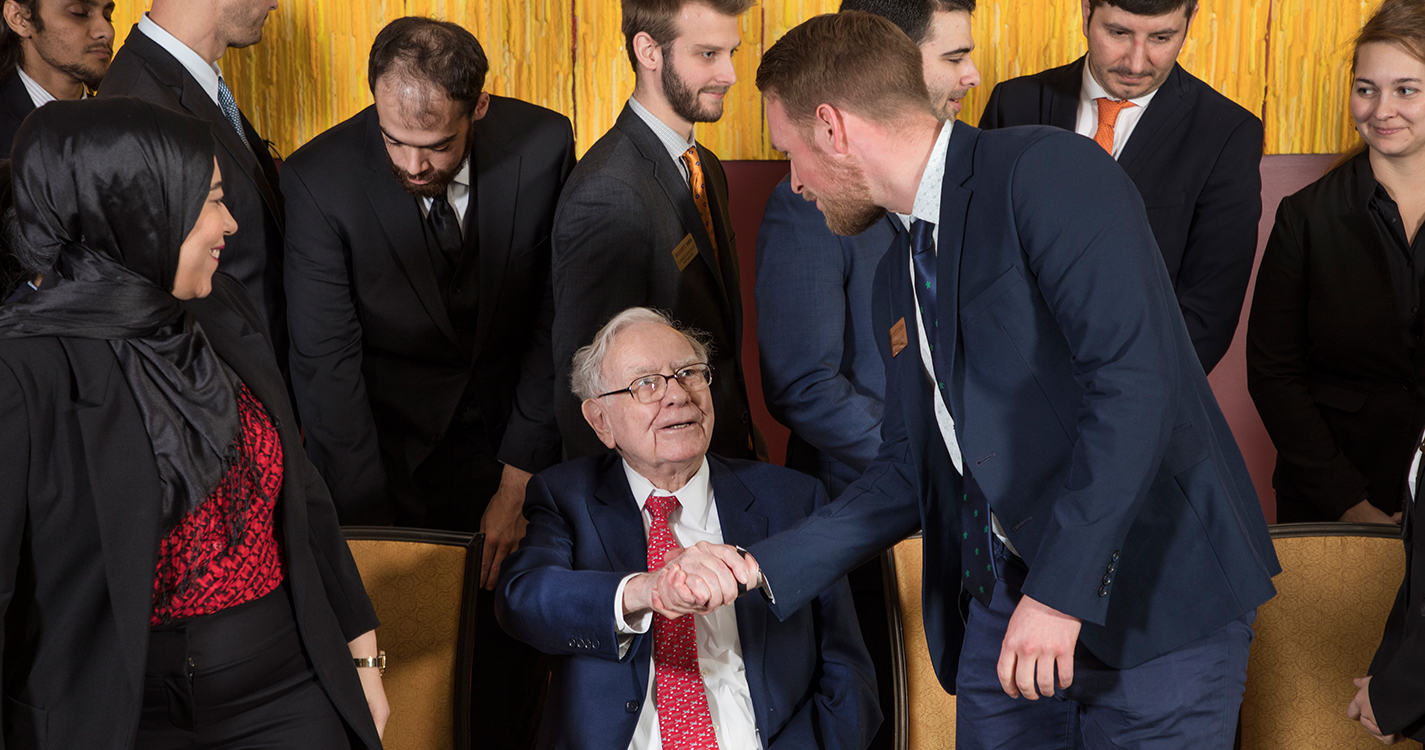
924,712
1336,588
423,584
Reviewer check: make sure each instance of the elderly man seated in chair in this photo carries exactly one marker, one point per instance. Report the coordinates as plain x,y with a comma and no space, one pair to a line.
589,581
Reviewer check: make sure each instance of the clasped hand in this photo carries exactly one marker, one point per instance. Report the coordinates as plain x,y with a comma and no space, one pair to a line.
695,580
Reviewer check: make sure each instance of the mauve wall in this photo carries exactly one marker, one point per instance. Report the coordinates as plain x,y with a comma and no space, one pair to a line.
751,182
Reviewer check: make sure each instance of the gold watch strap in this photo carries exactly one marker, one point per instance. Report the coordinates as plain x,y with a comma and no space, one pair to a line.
369,662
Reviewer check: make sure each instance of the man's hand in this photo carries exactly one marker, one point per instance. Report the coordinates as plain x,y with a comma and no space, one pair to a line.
503,524
1360,710
1038,639
1364,512
703,577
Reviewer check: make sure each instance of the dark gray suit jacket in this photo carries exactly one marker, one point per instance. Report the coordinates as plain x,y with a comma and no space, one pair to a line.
1195,157
624,210
253,255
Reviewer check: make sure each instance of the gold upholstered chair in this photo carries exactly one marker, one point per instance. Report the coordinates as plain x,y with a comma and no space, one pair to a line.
1336,588
423,584
924,713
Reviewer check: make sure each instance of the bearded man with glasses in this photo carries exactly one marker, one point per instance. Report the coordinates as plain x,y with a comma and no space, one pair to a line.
591,581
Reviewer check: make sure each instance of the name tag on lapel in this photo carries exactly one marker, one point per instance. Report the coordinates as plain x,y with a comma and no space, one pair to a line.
684,253
898,339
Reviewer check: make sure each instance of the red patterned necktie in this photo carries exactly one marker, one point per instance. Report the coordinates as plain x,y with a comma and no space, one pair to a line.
684,722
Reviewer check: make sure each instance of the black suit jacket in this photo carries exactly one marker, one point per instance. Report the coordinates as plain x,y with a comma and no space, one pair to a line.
625,209
379,361
15,106
1398,669
1195,157
253,255
1341,395
80,529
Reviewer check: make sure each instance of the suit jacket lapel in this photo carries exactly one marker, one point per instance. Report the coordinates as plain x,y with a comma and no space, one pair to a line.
1168,108
403,223
16,101
1061,95
954,208
496,189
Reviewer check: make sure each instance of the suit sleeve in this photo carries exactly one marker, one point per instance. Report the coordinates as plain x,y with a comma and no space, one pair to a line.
1396,695
14,498
1277,345
531,440
801,324
340,576
325,360
1221,245
876,511
1092,255
602,252
845,711
542,600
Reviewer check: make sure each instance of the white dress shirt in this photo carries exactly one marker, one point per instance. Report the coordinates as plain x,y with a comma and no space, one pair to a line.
719,645
674,143
1414,473
458,194
206,73
39,94
1128,117
927,208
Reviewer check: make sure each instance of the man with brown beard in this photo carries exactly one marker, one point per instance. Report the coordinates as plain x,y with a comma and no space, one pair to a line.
50,50
417,268
644,219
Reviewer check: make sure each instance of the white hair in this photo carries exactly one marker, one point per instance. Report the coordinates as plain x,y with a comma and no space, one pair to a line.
586,374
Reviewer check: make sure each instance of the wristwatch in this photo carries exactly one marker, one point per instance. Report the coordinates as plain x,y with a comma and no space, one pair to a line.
370,662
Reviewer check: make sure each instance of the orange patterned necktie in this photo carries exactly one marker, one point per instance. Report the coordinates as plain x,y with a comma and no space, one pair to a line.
1108,115
700,191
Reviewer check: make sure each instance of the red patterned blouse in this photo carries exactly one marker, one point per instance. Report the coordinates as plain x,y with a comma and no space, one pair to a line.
229,544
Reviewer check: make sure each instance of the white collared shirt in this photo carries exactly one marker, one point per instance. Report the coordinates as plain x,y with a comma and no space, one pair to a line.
671,140
1414,472
458,193
927,208
39,94
719,645
1087,124
206,73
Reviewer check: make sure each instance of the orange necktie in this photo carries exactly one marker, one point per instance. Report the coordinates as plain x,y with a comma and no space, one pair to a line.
700,191
1107,115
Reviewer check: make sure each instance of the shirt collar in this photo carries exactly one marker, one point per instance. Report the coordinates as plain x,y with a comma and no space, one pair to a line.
205,73
695,497
1091,90
672,141
932,181
39,95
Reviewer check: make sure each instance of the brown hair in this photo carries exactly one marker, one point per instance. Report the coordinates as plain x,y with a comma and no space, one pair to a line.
437,52
913,16
852,60
659,19
1398,22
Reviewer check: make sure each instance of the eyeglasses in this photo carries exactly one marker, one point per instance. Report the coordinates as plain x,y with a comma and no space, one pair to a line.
651,388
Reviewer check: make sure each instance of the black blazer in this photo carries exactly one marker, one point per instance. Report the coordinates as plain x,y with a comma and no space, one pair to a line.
379,361
80,529
622,215
1338,390
15,106
1398,669
1195,157
253,255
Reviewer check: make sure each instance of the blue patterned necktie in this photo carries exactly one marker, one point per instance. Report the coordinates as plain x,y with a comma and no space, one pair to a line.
230,110
975,562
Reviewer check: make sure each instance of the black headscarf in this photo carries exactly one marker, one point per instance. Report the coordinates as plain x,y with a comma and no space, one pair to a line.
111,187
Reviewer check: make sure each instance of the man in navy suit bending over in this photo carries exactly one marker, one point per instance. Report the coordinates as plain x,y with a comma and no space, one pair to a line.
1046,423
591,581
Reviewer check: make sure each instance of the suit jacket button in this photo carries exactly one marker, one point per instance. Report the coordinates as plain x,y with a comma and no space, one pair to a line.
1115,556
458,289
631,707
1103,590
1107,579
572,644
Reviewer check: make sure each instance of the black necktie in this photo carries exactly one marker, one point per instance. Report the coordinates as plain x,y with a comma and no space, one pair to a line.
446,227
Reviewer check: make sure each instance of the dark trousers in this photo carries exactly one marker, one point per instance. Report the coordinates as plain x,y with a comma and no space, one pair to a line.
238,678
1186,698
457,480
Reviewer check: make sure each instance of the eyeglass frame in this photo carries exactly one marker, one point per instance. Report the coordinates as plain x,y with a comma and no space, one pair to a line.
704,383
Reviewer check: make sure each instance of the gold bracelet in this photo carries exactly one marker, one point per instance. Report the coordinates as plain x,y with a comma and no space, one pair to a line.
369,662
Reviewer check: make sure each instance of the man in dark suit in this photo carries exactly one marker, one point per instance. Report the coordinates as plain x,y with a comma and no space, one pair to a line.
1193,154
583,584
418,272
50,50
644,219
1047,424
170,58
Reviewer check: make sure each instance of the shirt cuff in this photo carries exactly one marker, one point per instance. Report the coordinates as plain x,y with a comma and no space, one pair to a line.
622,626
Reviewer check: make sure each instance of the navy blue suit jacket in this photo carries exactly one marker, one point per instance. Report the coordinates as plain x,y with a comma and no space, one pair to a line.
821,373
1079,407
811,680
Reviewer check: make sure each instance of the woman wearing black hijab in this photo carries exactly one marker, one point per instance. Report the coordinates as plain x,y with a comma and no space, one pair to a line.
171,570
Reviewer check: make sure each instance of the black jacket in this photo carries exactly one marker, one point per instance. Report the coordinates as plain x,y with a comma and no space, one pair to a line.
618,237
1341,395
1195,157
15,106
80,531
381,363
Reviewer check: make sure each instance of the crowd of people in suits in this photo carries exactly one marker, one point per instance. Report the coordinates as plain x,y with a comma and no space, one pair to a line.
432,315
